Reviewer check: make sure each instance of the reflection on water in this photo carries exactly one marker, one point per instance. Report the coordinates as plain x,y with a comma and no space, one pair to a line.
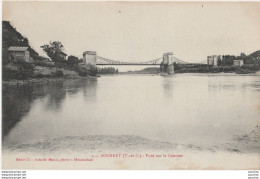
204,109
168,87
18,100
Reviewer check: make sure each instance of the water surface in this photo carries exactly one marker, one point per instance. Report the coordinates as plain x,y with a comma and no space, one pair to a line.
199,109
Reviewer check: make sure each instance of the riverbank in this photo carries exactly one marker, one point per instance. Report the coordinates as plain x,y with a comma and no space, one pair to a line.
246,143
122,151
43,80
13,75
150,70
246,69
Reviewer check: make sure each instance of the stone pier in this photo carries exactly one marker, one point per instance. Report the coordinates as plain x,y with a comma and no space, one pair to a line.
167,64
90,57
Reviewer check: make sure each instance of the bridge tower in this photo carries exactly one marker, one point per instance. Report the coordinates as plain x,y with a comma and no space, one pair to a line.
167,63
90,57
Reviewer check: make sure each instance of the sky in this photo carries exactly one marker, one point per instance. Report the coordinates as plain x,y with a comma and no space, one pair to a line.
140,31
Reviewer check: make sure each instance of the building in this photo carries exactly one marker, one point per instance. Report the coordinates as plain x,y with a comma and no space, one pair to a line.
90,57
239,62
62,55
213,60
17,53
45,59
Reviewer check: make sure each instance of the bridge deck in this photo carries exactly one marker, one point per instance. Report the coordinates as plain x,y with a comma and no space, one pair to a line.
187,64
130,64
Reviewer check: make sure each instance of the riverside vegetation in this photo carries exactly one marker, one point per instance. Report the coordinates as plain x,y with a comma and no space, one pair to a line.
41,67
57,67
251,65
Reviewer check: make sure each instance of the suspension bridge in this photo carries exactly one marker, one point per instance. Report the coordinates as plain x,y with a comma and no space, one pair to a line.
166,63
105,61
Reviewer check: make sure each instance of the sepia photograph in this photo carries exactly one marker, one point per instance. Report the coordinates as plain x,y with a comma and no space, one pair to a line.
130,85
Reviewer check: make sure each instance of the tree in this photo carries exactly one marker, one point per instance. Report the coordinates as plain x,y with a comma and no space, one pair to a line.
72,61
54,50
219,62
242,55
227,60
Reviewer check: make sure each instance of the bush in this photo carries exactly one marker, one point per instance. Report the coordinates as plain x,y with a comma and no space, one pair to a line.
61,64
254,67
59,73
10,74
87,70
111,70
22,71
92,70
83,72
39,76
229,69
44,76
43,63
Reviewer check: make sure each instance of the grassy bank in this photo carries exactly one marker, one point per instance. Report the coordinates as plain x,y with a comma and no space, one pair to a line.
22,72
25,73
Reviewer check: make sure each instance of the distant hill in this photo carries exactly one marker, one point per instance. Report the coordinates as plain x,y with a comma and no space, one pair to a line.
255,54
253,58
11,37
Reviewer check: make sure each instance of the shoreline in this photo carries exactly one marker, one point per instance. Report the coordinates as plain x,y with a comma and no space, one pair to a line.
44,80
201,69
143,150
188,72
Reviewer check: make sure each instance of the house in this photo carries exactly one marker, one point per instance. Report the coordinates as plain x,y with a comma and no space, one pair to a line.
213,60
17,53
45,59
62,55
239,62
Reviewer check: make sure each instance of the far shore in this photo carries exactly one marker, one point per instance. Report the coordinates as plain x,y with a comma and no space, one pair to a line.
178,72
200,69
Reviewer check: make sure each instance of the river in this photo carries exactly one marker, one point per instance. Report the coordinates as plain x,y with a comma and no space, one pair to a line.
200,111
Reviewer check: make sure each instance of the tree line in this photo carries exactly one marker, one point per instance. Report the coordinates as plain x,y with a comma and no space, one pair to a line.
252,59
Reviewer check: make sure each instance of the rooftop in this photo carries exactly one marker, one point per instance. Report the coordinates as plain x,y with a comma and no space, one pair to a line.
168,53
211,56
63,53
17,49
90,52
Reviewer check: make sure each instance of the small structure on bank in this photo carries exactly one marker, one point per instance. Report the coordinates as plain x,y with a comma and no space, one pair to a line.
90,57
213,60
17,53
89,62
167,64
239,62
46,61
62,55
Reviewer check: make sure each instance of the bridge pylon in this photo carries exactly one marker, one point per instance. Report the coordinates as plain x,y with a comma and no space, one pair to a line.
167,64
90,57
